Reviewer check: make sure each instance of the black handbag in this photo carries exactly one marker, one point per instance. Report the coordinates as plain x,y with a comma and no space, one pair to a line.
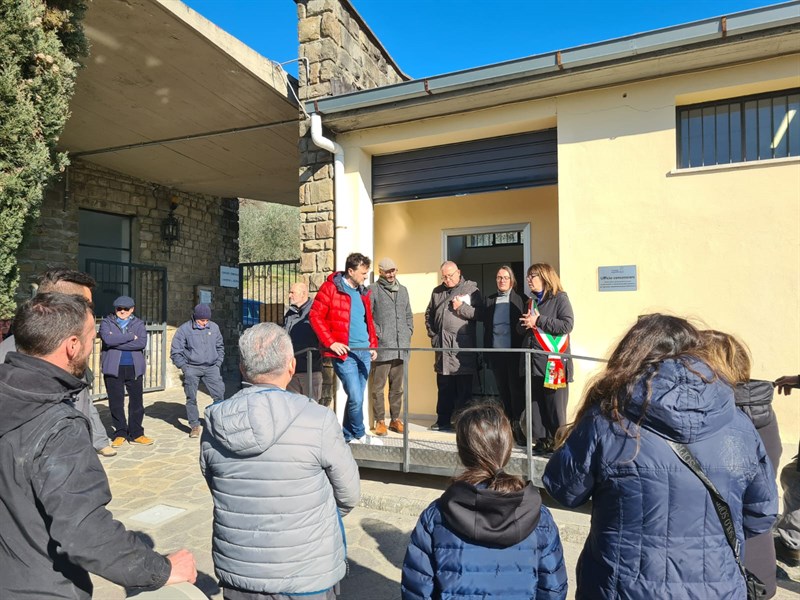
755,587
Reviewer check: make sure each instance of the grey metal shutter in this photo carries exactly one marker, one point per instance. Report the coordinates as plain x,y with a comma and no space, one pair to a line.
501,163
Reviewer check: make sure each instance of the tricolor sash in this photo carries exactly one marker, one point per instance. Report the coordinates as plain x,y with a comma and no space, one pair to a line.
555,374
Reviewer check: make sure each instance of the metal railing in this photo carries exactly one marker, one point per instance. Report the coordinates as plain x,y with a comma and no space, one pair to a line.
406,466
155,358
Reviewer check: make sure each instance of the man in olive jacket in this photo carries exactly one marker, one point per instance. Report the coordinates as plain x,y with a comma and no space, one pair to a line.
394,325
453,311
54,524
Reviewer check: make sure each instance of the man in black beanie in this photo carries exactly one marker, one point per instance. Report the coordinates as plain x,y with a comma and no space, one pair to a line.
197,350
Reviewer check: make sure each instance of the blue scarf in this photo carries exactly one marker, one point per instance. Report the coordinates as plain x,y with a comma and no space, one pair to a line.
123,323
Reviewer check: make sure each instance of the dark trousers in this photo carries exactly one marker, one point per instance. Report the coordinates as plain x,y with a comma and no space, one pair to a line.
115,388
552,406
455,392
381,371
505,368
299,384
192,376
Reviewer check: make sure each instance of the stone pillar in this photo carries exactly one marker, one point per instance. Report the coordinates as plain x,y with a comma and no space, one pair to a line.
343,56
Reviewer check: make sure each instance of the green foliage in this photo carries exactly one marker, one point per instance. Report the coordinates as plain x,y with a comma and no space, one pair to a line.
40,42
268,231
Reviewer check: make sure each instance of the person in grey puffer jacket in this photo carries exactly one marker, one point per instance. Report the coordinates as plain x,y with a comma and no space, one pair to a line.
281,477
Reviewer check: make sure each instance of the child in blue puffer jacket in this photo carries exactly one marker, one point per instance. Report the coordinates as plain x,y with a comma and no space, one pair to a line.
488,536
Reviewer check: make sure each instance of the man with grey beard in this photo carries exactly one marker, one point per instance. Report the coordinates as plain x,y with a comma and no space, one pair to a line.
53,518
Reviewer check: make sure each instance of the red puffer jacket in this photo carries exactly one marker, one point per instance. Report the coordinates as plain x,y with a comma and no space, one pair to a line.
330,315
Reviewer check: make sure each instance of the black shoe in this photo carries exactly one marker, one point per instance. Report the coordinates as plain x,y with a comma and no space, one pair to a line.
437,427
786,555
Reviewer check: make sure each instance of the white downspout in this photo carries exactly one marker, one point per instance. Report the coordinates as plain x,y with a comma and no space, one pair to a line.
343,211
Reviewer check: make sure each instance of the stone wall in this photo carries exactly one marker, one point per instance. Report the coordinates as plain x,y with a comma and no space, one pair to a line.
343,56
209,232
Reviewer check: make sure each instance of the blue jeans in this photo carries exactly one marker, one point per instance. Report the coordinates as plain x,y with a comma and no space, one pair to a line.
353,373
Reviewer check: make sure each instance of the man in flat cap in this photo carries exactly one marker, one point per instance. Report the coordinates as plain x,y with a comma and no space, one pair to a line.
124,338
198,350
394,324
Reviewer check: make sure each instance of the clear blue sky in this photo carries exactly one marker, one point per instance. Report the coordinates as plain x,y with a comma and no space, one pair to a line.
430,37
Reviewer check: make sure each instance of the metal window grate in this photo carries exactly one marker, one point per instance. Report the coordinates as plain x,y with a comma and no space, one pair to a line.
743,129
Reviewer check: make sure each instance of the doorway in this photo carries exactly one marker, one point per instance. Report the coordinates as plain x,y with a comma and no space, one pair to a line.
479,252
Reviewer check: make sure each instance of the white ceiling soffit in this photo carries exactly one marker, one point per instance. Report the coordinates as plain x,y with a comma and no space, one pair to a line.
167,96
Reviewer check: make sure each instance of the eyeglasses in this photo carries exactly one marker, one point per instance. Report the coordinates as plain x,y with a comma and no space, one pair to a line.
450,276
123,308
503,278
533,276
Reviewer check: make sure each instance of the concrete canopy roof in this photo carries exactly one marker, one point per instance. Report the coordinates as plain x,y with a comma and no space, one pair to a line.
167,96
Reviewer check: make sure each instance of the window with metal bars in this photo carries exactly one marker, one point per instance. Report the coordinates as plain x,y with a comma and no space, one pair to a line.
760,127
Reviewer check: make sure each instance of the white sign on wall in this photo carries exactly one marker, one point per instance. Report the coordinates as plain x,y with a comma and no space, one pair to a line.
617,279
229,277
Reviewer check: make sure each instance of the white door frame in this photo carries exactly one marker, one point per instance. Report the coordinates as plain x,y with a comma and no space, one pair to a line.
524,228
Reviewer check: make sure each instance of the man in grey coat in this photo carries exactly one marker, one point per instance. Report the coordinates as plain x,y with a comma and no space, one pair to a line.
453,311
281,477
394,325
67,281
297,325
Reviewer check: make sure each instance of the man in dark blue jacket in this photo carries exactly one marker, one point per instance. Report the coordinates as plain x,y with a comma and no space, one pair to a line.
297,325
198,350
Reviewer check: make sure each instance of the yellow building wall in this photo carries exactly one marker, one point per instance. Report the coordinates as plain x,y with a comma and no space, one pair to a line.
411,234
719,244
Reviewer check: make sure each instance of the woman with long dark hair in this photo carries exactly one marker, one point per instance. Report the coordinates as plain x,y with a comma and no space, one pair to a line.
655,532
547,325
488,536
754,398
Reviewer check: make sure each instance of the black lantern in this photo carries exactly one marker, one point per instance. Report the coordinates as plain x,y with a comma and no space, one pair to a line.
171,227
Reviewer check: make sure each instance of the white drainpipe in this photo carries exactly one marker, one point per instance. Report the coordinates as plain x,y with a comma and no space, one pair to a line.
343,213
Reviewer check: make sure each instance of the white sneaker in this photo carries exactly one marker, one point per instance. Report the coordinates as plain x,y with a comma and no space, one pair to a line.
367,440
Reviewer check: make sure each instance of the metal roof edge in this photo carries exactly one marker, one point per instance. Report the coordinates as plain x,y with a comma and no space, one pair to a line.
632,46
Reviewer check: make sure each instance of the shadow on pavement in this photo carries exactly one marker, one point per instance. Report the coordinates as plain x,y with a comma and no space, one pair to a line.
392,542
169,412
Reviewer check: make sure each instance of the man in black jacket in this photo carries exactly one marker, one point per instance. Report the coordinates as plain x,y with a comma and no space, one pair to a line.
296,324
53,518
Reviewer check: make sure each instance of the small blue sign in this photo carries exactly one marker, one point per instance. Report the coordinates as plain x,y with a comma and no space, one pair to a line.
617,279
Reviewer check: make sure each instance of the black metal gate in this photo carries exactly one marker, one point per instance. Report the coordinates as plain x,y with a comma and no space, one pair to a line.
264,290
147,285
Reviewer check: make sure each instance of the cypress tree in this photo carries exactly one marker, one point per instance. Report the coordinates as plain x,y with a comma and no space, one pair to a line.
40,43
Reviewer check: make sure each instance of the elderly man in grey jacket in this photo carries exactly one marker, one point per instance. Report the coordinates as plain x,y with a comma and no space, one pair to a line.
455,307
394,324
281,477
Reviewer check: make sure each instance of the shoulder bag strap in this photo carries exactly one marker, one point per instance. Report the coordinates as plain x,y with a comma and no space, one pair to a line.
721,507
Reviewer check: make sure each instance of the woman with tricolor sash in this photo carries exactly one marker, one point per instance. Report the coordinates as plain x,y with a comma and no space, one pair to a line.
547,326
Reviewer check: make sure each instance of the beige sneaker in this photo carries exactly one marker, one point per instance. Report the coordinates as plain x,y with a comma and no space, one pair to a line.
143,440
195,432
107,451
118,441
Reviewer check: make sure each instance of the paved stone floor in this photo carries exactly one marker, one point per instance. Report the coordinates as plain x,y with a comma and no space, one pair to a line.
166,478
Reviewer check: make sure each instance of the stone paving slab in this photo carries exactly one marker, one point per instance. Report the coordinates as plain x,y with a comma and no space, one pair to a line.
168,474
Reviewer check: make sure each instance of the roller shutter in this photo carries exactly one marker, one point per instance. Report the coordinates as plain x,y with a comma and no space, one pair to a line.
501,163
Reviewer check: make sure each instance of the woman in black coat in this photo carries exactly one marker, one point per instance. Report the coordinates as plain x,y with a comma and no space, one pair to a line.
754,398
502,313
547,324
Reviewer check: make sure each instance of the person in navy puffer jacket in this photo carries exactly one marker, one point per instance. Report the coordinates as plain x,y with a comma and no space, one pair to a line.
654,531
488,536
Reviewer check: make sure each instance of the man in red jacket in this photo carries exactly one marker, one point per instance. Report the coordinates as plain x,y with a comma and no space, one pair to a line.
341,317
